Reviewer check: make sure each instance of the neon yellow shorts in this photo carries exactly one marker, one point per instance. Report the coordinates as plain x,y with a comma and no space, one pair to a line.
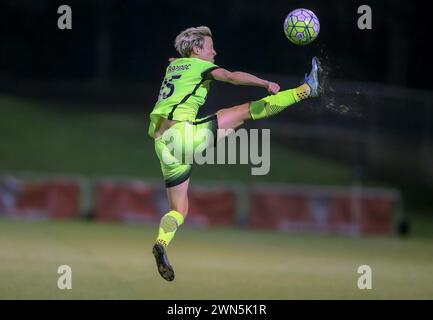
176,146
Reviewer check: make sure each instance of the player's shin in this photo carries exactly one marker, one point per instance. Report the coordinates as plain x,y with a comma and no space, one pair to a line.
170,222
274,104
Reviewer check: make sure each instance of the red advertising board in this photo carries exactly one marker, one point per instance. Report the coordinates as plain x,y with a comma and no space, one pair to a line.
212,206
50,199
132,201
323,210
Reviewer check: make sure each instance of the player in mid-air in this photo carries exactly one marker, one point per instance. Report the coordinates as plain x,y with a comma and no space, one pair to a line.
183,92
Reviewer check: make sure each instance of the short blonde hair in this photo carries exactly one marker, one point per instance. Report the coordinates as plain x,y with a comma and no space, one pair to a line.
189,38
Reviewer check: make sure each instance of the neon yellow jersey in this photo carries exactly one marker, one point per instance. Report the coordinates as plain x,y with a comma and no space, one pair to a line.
183,91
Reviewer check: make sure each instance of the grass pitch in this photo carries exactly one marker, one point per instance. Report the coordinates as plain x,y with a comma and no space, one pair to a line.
114,261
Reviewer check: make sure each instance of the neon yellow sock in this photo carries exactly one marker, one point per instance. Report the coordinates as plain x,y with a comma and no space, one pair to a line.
271,105
168,226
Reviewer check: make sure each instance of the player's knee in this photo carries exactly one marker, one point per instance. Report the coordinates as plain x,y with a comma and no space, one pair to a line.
181,207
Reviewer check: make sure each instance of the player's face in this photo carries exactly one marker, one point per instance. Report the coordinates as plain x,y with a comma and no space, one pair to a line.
207,52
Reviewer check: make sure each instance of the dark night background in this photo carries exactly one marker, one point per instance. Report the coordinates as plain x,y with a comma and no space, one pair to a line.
136,37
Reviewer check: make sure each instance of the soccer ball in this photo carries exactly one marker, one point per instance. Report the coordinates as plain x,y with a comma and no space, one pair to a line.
301,26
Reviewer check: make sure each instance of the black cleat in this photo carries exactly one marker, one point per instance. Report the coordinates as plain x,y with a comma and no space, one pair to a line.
164,268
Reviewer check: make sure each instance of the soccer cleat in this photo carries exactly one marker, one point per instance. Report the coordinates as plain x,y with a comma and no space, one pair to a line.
313,78
164,268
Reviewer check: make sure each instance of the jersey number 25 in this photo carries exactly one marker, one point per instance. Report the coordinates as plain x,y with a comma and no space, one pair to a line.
167,84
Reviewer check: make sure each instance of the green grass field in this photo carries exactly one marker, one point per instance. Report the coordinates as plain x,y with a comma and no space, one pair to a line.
114,261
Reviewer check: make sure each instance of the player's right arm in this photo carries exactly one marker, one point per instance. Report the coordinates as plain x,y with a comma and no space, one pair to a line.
243,79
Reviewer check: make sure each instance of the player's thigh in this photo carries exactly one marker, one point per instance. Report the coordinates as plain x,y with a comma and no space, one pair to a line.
233,117
174,170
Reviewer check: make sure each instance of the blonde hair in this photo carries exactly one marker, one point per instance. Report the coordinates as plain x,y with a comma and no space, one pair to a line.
189,38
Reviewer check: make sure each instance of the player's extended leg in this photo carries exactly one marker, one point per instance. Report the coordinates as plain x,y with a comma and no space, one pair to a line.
231,118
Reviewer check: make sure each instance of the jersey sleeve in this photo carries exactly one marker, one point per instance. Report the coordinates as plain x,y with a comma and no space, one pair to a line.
206,68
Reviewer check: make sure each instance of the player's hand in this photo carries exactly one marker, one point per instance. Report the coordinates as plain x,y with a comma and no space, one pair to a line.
273,87
171,59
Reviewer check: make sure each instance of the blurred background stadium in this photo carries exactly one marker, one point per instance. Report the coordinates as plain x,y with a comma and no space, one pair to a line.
351,179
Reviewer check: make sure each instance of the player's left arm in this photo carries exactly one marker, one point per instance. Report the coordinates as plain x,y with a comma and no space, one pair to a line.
243,79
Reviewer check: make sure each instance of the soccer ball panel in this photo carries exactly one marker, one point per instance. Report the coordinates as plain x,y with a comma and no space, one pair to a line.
301,17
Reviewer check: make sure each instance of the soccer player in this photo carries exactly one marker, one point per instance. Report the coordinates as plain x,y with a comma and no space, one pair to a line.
183,92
